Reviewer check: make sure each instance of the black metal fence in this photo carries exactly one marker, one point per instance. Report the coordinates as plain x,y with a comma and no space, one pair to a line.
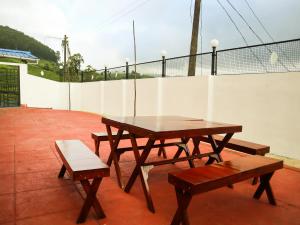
272,57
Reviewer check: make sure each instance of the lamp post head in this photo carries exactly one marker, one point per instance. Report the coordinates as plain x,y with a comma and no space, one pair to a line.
163,53
214,43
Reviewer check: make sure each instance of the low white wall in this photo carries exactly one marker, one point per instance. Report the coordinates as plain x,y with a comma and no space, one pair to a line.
267,105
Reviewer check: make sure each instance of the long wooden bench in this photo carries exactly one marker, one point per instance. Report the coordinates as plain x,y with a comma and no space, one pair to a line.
102,136
202,179
240,145
82,164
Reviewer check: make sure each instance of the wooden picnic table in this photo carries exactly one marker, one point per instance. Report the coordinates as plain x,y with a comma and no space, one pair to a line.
155,128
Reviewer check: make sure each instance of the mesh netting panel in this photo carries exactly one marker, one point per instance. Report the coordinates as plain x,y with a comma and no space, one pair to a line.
203,64
177,67
116,73
146,70
277,57
88,76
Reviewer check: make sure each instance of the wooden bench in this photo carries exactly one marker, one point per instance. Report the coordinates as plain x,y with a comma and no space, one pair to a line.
82,164
102,136
240,145
205,178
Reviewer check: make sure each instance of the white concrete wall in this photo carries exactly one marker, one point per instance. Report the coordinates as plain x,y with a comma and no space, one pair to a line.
267,105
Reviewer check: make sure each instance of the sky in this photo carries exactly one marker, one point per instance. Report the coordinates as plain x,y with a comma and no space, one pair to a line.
101,30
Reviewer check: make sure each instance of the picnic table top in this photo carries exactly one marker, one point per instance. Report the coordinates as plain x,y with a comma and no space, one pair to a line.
169,126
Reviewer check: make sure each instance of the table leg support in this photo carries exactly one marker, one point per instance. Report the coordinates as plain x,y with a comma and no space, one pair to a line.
113,154
141,170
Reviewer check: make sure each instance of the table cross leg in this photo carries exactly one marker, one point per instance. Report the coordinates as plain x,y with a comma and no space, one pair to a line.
217,149
181,148
113,154
140,170
162,150
91,200
196,143
188,154
265,186
183,201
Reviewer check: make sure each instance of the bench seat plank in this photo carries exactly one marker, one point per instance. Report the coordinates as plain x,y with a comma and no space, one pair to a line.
80,162
212,176
241,145
102,136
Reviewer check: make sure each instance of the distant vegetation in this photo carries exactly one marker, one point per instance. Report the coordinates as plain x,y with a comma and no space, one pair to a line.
13,39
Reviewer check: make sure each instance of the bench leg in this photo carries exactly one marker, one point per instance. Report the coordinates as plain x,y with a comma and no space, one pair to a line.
91,200
97,146
265,186
183,201
62,172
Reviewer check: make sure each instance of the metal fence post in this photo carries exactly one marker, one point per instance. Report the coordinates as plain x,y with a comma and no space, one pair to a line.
163,66
214,44
105,73
127,70
213,58
81,76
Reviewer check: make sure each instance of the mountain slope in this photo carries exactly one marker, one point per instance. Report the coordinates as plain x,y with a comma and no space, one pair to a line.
13,39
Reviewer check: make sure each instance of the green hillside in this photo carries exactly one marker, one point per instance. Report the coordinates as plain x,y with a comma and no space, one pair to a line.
13,39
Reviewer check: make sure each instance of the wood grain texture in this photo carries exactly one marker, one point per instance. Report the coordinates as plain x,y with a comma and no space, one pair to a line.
80,161
205,178
164,127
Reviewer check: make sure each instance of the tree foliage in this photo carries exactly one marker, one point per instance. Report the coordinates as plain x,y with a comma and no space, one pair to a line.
74,63
13,39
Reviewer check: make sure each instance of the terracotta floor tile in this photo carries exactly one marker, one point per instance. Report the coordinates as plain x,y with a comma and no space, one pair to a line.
6,168
44,199
6,156
47,153
40,202
7,184
62,218
7,210
37,166
32,146
39,180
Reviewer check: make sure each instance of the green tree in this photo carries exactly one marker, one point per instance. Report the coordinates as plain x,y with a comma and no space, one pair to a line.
74,64
57,55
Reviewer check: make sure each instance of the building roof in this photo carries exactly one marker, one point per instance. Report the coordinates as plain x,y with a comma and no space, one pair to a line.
17,54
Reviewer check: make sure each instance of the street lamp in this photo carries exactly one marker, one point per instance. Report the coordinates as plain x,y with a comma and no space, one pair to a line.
163,55
214,44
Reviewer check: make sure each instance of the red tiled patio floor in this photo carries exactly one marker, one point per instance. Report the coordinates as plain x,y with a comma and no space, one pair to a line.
30,192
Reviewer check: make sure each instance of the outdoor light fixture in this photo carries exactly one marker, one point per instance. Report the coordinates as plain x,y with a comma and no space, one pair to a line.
214,44
163,53
42,73
61,67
